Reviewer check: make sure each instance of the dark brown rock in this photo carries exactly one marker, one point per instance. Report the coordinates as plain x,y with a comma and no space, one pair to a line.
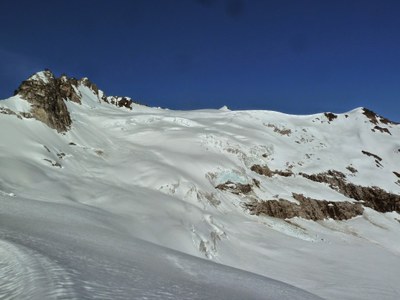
308,208
265,171
371,154
373,197
377,158
46,95
262,170
381,129
86,82
120,101
352,169
235,188
125,102
330,116
374,118
283,173
6,111
68,89
256,182
53,163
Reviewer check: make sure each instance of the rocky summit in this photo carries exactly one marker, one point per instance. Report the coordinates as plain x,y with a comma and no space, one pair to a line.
102,197
47,94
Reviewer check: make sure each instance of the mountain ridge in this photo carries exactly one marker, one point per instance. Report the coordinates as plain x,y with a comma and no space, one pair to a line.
47,94
45,91
294,198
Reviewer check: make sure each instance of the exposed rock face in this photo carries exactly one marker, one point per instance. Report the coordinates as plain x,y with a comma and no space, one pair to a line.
371,154
308,208
262,170
375,119
373,197
68,89
265,171
330,116
377,158
281,131
120,101
46,94
235,188
7,111
352,169
86,82
381,129
19,115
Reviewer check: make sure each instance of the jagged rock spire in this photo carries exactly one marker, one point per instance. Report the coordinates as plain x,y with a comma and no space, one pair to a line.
46,93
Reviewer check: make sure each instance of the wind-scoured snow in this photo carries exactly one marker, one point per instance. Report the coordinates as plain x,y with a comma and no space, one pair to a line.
16,104
64,251
124,206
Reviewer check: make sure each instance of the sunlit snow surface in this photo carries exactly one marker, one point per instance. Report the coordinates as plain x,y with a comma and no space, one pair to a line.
132,213
60,251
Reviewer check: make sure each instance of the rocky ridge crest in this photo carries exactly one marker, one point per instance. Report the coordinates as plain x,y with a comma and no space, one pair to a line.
47,95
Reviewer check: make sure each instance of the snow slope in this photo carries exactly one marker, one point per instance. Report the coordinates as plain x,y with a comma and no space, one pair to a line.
124,205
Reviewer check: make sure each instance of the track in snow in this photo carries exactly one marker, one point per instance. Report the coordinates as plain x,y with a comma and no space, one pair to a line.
27,274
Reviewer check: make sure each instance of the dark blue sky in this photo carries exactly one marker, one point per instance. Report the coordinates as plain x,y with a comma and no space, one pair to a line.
292,56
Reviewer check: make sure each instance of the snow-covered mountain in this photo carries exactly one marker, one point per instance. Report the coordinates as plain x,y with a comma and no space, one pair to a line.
104,198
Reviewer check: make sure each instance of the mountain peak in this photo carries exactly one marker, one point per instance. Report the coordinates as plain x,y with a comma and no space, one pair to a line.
44,76
211,183
47,95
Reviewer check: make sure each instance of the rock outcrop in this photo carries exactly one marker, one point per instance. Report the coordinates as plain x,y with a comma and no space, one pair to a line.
265,171
119,101
373,197
375,118
307,208
47,95
330,116
235,187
